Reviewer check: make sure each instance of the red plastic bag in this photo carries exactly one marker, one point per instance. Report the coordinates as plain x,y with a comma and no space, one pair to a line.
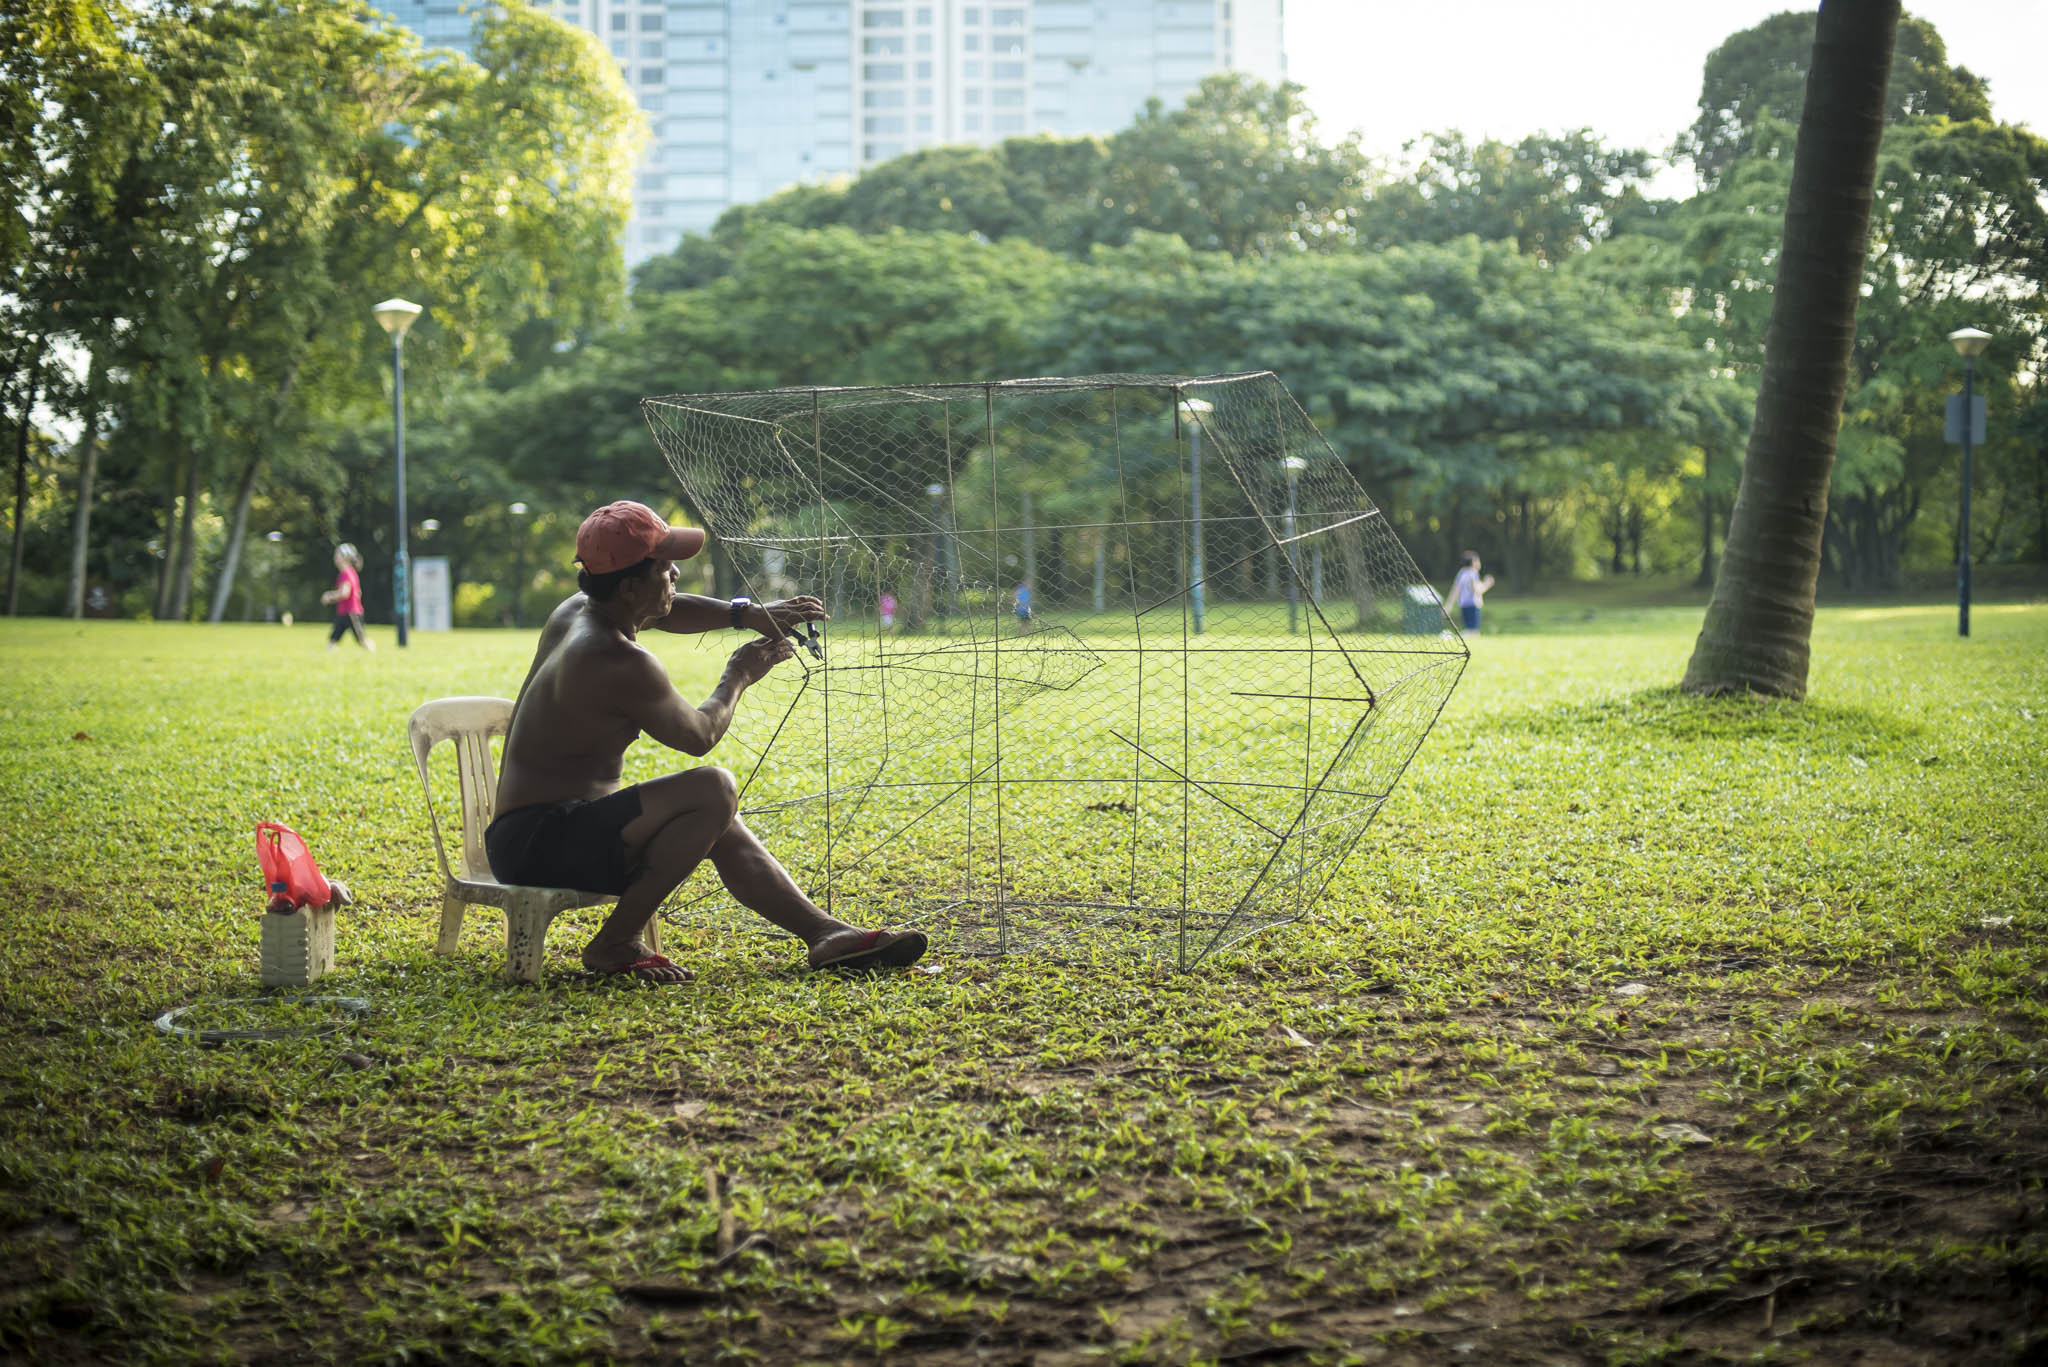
289,873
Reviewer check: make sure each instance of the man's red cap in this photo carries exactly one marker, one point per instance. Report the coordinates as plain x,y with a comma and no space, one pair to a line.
621,535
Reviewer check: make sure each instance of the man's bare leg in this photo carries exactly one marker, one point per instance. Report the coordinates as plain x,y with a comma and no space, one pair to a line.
760,883
683,819
681,816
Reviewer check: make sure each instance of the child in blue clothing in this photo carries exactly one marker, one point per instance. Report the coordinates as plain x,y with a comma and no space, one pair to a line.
1468,592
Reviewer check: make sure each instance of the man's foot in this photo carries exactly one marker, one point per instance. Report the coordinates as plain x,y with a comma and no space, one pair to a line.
637,963
865,951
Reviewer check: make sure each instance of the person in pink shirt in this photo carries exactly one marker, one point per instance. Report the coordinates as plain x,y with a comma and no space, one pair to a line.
347,597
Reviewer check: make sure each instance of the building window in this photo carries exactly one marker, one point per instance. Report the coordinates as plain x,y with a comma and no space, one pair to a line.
1006,42
650,49
1009,123
924,13
970,71
972,123
882,47
971,43
924,97
972,95
650,75
619,21
656,208
1008,71
882,151
1010,98
618,47
886,123
651,100
650,23
970,15
924,42
883,18
882,71
924,71
924,123
1010,17
881,99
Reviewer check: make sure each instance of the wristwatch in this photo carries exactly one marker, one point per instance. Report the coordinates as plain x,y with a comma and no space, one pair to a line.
737,610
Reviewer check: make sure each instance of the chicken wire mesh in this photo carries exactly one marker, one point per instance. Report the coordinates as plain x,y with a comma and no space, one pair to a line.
1118,658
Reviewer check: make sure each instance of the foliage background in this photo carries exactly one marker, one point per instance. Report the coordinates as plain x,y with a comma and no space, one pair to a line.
1511,343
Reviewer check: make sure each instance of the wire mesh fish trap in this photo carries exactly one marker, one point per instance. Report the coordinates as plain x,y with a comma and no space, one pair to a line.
1128,659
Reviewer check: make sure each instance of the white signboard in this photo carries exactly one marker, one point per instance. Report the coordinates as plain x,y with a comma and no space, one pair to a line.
433,596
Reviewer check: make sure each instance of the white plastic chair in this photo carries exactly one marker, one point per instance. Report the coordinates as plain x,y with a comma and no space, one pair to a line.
470,723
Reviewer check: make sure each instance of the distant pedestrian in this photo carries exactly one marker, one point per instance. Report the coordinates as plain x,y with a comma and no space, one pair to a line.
1468,592
888,606
347,597
1024,603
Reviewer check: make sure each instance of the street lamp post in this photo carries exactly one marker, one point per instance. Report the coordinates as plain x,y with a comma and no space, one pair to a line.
1969,344
1293,465
1192,410
518,510
395,316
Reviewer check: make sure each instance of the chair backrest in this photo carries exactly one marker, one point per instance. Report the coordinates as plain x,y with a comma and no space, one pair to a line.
470,723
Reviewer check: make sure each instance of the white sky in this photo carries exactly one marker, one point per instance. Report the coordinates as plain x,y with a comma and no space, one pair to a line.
1628,69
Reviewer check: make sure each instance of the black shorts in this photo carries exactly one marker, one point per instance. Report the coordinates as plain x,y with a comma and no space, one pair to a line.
573,844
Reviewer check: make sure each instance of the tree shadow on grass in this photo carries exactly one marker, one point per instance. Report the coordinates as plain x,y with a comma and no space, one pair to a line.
1666,713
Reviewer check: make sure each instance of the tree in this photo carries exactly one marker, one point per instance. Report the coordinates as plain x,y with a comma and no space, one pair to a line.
1552,196
295,163
1465,373
1760,620
1762,71
1237,169
72,101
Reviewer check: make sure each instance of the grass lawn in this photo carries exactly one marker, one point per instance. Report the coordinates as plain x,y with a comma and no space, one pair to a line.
1638,1029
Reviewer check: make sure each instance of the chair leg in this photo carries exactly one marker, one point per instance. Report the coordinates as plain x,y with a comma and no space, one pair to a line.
526,941
452,908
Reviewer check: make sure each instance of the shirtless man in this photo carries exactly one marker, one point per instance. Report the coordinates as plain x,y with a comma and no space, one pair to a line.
564,821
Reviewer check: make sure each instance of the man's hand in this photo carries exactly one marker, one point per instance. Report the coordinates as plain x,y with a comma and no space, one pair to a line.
780,618
751,662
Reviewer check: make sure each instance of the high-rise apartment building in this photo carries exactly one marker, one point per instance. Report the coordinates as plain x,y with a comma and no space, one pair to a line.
745,97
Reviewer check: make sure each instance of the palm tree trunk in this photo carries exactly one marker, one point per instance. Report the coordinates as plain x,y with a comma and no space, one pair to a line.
14,558
188,535
160,607
224,582
1760,622
88,471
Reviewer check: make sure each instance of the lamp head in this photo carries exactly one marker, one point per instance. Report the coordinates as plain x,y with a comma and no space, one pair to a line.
430,524
396,315
1190,408
935,490
1294,465
273,536
1969,342
517,510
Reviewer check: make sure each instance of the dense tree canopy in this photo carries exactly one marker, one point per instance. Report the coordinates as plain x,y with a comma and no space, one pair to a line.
1512,346
1762,71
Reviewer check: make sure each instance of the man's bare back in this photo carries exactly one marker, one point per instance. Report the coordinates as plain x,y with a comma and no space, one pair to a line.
566,741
